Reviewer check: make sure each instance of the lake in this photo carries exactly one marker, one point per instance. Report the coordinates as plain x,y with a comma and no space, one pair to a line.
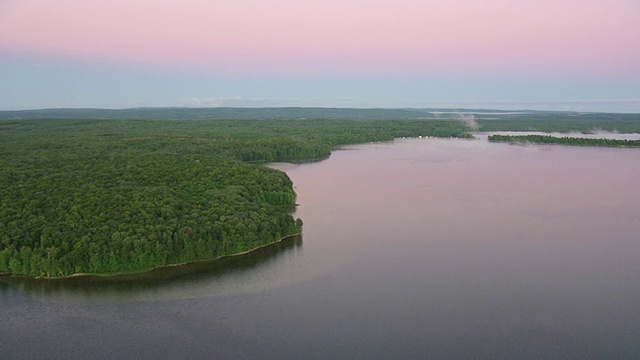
418,248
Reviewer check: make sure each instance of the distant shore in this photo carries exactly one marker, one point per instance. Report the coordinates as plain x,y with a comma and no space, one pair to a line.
566,140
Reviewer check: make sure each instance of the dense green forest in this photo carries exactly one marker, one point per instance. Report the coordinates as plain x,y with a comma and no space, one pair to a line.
488,119
107,196
574,141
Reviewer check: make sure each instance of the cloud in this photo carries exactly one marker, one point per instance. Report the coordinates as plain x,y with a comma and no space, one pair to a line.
624,105
239,101
630,105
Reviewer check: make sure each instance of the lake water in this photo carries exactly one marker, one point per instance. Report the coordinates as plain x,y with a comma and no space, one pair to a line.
417,248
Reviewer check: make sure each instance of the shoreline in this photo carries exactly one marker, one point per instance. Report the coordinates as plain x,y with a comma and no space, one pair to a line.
536,139
147,272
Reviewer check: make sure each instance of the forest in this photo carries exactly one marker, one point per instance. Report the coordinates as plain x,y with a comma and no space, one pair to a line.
488,119
114,196
565,140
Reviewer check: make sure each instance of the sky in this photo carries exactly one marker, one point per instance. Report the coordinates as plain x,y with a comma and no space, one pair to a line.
579,55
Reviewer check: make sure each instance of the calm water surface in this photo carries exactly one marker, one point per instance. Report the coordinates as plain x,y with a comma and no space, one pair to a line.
412,249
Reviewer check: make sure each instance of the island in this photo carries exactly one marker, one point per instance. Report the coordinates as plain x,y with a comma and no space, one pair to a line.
565,140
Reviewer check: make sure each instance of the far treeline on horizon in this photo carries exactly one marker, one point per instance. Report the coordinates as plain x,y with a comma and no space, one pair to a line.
288,112
476,119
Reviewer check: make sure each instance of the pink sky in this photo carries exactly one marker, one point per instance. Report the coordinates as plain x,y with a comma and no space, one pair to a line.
359,53
587,36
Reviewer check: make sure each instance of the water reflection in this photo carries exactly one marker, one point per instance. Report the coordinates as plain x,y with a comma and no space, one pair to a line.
4,287
229,275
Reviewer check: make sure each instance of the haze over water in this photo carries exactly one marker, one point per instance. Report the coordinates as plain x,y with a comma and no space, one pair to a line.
418,248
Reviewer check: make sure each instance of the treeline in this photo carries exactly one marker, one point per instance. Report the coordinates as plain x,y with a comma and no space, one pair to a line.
563,122
574,141
252,113
106,196
218,113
